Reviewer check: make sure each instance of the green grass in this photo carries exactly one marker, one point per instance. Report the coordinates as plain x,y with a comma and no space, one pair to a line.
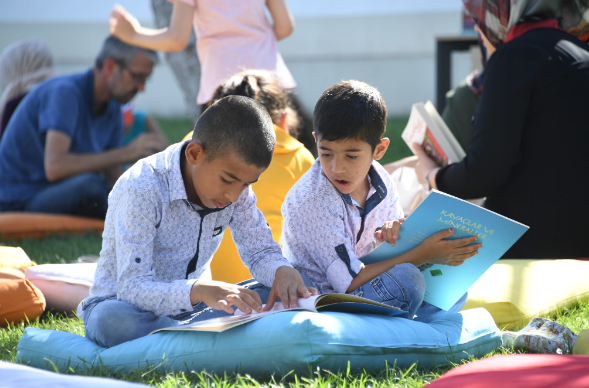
58,249
175,129
398,149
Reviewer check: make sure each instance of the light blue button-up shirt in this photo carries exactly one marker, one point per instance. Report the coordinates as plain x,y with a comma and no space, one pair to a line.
325,232
156,243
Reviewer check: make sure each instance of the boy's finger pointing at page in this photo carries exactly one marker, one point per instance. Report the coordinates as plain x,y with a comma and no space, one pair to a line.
287,283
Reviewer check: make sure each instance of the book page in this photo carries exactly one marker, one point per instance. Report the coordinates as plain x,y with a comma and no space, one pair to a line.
420,129
215,324
304,304
457,152
329,299
327,302
414,131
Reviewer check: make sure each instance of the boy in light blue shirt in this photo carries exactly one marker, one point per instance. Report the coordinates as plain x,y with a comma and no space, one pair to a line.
166,218
346,205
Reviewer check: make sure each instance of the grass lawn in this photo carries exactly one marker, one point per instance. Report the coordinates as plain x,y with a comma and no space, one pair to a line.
64,249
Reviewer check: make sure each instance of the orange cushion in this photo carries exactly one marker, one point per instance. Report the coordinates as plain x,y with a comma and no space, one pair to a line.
19,299
38,225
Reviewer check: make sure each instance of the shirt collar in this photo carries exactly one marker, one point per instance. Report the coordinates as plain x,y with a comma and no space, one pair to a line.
177,189
175,181
375,182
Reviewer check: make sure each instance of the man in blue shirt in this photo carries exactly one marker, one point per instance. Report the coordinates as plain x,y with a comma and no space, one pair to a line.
62,149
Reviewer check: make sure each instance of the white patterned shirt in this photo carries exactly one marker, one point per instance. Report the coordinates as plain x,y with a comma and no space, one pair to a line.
325,232
156,243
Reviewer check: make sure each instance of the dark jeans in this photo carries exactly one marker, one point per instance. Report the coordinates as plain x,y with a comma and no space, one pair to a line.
83,195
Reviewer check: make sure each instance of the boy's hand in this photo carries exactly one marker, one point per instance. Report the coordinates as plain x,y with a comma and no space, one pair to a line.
221,296
122,24
389,232
436,250
288,286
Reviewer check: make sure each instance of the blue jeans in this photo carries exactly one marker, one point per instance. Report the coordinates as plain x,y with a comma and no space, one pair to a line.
83,195
110,322
403,286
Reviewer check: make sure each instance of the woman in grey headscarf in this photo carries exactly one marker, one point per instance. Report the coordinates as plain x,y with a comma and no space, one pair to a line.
23,65
527,155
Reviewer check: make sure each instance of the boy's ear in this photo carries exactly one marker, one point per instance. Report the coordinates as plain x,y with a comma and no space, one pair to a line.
381,148
195,153
314,137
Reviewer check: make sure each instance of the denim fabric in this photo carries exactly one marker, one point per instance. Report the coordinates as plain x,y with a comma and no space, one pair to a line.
403,286
83,195
428,313
110,322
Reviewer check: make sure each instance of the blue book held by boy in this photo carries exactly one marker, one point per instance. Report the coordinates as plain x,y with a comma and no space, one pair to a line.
445,284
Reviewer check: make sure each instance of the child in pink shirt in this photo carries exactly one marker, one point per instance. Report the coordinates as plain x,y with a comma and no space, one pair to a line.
232,36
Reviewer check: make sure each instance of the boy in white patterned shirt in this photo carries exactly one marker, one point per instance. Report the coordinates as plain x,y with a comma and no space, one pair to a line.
166,217
346,205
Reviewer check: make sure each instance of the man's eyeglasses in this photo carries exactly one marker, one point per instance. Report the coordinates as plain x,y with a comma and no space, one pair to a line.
137,77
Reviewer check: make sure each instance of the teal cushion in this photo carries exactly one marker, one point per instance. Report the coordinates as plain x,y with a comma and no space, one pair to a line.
280,343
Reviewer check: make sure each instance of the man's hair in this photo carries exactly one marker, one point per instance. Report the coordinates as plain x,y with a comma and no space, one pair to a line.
122,53
238,125
350,110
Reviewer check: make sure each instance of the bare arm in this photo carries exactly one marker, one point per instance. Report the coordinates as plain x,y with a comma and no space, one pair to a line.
60,163
373,270
125,26
283,20
435,249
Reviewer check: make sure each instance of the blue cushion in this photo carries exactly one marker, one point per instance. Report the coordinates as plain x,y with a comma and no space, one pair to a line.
280,343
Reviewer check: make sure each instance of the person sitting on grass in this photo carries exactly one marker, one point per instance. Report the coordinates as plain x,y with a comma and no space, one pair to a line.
62,149
346,205
166,218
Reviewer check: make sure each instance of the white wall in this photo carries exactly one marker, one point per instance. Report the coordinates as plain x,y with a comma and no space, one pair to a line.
387,43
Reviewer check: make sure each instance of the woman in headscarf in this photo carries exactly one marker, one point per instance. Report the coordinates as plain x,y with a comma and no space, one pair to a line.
23,65
527,155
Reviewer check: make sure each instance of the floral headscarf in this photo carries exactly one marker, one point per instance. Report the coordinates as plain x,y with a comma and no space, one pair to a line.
495,18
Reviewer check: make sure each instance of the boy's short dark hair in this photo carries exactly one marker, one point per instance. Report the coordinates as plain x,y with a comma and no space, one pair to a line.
350,110
240,125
